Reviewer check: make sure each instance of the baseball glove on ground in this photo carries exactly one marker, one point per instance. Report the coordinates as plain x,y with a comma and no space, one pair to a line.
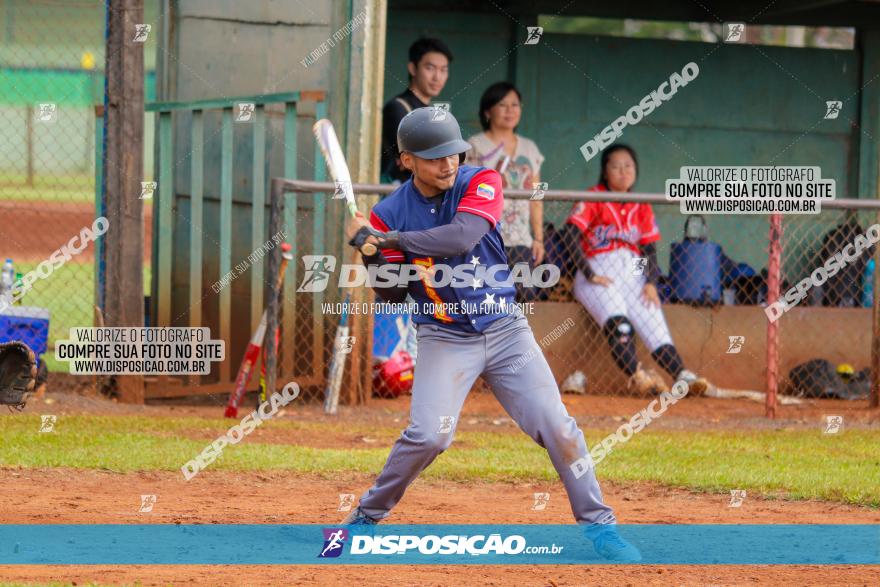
18,373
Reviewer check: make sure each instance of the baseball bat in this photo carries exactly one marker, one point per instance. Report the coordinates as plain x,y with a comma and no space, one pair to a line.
337,363
252,353
329,144
262,396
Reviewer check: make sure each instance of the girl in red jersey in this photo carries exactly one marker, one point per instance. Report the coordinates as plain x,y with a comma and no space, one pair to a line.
617,271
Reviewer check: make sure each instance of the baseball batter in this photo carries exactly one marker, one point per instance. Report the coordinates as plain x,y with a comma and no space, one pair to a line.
616,258
448,213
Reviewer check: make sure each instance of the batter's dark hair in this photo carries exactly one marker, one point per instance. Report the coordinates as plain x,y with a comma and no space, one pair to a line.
424,46
494,94
606,155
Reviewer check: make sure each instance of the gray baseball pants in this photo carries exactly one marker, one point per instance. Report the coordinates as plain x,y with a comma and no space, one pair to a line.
512,363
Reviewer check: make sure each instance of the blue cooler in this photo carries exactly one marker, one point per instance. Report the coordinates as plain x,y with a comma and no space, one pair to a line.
28,324
385,334
695,271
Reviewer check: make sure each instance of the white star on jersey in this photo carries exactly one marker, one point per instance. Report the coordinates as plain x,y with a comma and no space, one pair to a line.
477,283
490,299
475,260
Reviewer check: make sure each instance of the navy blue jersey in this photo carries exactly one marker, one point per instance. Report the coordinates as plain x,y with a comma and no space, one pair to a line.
475,306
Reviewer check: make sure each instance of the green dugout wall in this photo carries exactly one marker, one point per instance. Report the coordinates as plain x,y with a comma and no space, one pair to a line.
750,105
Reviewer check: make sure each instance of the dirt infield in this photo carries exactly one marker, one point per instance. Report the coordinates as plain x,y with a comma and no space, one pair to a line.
40,228
38,496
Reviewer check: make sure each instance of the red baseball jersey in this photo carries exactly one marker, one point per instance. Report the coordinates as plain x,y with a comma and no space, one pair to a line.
607,226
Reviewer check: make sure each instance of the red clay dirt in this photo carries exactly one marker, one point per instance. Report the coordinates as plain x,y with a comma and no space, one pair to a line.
33,230
36,496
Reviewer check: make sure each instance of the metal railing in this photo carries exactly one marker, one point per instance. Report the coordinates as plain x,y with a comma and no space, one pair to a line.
794,250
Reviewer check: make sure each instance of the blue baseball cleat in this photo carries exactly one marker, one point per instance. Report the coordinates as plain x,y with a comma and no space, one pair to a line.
358,518
609,544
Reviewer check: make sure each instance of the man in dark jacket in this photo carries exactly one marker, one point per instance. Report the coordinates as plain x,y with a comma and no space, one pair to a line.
428,68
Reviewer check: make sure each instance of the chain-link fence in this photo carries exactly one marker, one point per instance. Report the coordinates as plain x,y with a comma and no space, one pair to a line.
635,308
51,78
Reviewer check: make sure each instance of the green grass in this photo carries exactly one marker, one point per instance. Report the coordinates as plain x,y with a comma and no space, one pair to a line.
69,295
55,188
795,464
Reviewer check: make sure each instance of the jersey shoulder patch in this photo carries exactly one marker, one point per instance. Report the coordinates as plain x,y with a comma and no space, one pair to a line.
484,190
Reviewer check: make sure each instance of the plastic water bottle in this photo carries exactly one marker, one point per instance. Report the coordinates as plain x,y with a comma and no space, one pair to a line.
868,285
7,280
19,285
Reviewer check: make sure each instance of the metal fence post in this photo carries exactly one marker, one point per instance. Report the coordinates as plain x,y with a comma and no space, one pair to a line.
273,265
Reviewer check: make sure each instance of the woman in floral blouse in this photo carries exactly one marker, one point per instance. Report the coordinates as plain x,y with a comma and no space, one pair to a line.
518,161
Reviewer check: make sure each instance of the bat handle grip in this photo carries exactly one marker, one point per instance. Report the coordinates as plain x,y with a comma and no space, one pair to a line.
368,249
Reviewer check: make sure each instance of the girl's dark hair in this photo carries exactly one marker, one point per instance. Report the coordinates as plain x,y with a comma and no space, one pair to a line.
606,155
494,94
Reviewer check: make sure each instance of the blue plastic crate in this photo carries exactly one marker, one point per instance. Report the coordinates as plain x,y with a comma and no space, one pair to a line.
28,324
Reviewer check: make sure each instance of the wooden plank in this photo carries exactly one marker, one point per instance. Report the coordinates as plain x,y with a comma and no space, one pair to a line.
216,104
226,238
124,302
197,195
866,131
99,266
289,297
258,213
163,228
319,209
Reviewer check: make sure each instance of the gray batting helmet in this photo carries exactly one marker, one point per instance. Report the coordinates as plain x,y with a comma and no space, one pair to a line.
430,133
